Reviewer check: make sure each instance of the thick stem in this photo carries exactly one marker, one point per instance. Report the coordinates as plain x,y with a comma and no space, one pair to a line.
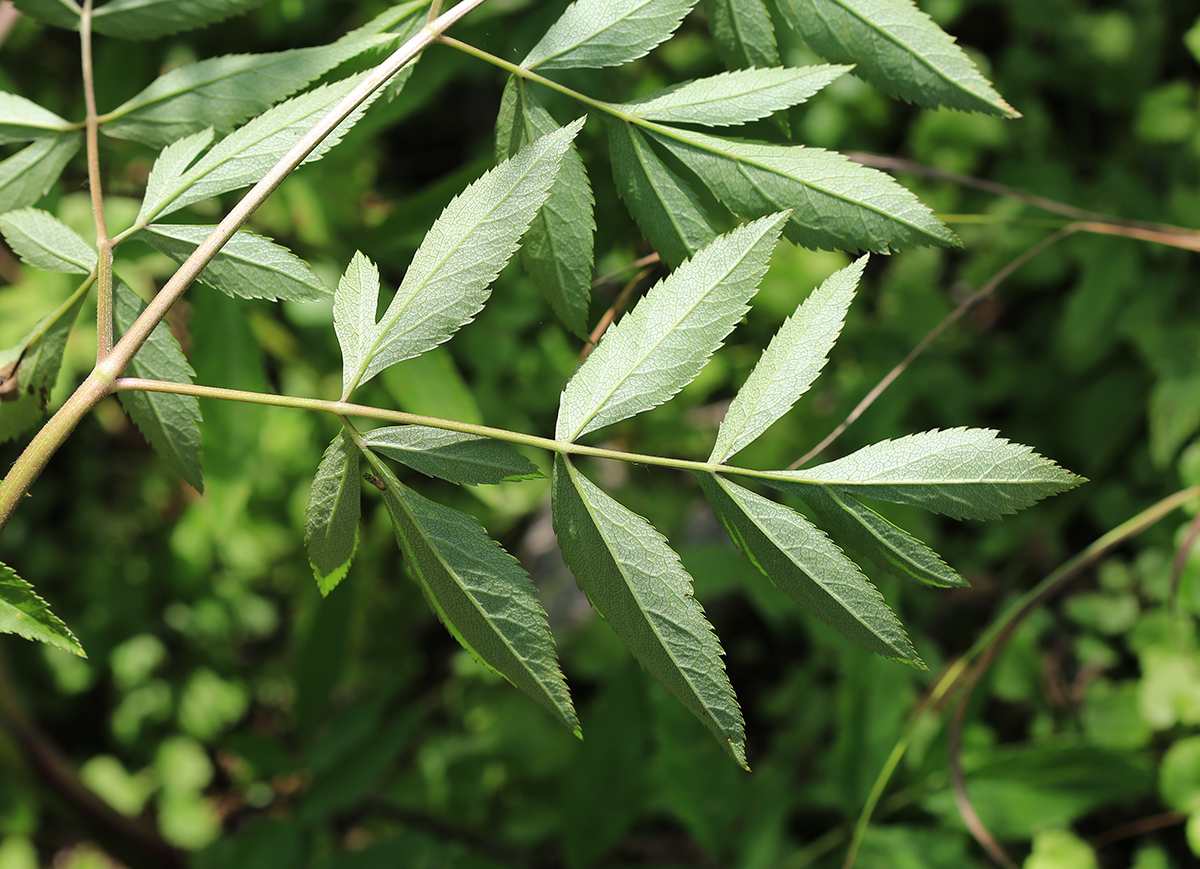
99,382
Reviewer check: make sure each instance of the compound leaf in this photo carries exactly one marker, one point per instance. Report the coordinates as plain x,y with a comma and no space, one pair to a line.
790,364
742,33
331,526
857,527
899,49
635,580
22,120
599,33
171,423
732,98
45,242
666,209
557,249
961,472
480,593
222,92
477,233
808,568
245,155
836,203
354,303
249,266
29,370
660,346
452,456
24,613
28,175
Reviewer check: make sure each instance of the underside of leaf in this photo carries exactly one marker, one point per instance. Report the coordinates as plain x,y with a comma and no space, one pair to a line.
635,580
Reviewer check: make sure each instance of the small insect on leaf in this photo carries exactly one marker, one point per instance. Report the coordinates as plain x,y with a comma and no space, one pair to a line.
376,482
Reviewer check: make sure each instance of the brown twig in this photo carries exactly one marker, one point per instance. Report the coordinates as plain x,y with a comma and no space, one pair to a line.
1137,827
614,309
128,839
1190,237
951,318
1181,559
649,259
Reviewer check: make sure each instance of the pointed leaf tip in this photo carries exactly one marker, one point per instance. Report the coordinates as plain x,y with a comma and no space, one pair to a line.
791,363
660,346
24,613
334,503
480,592
635,580
809,568
962,473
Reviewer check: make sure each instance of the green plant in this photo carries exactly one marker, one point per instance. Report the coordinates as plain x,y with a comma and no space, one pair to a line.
672,178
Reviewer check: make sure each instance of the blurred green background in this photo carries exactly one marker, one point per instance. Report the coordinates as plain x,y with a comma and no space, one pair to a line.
256,724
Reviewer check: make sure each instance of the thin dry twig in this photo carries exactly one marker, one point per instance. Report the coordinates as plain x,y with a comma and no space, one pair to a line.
1147,231
614,309
1137,827
1181,559
954,316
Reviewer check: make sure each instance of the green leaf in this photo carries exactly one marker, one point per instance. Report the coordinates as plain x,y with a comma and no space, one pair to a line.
964,473
22,120
45,242
599,33
28,175
24,613
172,162
450,275
790,364
480,593
29,370
742,32
331,528
354,303
859,528
245,155
899,49
660,346
150,19
60,13
664,206
449,455
249,266
836,203
808,568
732,98
222,92
634,579
171,423
557,249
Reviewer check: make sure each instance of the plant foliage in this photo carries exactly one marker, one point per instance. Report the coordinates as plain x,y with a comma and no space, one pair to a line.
222,123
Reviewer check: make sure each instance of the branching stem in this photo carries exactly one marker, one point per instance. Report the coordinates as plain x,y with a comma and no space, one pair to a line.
100,382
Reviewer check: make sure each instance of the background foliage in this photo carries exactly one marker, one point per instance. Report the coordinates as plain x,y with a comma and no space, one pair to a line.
261,725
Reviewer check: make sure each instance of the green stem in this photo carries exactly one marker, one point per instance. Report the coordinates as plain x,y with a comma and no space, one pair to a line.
530,75
1003,627
104,291
100,382
349,409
